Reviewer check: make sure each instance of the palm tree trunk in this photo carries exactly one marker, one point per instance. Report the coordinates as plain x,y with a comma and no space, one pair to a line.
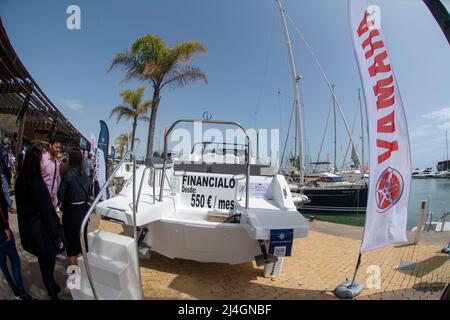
133,134
152,124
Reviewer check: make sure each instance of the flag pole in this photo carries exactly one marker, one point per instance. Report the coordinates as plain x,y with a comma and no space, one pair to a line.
358,263
351,289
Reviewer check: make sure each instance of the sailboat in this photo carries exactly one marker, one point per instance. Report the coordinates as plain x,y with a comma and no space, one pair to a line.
337,191
324,191
443,167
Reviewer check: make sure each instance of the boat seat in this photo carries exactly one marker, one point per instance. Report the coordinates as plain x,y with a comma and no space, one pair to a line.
120,208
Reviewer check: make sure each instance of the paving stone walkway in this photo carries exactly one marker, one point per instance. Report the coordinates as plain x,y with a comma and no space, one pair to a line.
319,263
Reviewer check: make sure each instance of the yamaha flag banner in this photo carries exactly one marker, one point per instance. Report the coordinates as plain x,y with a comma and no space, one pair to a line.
103,145
390,157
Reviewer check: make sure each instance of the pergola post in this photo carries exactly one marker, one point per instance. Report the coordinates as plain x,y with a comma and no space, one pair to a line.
22,120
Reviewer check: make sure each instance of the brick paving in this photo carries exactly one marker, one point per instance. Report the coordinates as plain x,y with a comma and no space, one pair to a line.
319,263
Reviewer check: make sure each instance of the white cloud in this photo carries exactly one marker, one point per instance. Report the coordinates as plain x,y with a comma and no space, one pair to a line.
444,126
72,104
421,131
439,115
428,138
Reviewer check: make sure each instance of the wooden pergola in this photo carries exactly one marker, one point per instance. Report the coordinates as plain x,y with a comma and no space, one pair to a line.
38,118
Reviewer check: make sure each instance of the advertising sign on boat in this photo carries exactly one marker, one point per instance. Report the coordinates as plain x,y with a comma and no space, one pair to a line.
206,191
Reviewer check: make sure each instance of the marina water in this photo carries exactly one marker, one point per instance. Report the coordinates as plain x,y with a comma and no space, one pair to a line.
437,194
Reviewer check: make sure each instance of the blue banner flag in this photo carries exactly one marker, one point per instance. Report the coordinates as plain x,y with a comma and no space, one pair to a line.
103,143
113,153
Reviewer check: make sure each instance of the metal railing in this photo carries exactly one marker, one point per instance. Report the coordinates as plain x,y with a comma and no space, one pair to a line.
443,218
153,175
232,123
91,210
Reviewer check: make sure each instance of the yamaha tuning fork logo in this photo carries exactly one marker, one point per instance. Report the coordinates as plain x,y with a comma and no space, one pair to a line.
389,189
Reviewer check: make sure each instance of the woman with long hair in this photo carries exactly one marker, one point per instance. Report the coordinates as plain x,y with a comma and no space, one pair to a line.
40,231
74,196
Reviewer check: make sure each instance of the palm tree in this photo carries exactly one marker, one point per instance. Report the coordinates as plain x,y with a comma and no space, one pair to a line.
133,108
122,142
150,60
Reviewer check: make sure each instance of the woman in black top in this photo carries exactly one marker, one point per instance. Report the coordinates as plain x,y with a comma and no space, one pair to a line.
39,227
73,194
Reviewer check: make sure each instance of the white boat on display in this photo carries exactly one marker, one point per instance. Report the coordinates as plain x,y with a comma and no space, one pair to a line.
203,209
423,174
445,174
125,171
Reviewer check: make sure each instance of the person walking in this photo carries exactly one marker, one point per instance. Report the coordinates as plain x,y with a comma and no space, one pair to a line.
6,159
50,169
8,250
40,230
4,174
74,197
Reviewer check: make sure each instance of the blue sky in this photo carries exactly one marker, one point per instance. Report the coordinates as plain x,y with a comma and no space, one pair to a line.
246,64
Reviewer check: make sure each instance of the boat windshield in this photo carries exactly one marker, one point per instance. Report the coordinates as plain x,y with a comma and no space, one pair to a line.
219,148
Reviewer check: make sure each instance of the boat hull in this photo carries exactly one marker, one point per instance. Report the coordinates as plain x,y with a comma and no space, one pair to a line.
214,242
335,199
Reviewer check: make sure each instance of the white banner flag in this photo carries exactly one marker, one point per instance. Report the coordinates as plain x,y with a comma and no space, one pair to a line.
390,156
93,144
100,169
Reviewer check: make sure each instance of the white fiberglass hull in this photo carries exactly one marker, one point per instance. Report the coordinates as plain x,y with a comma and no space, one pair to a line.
177,230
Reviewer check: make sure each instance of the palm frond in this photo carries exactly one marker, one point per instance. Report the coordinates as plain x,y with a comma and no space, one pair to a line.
185,51
144,106
132,63
183,76
122,112
151,45
144,118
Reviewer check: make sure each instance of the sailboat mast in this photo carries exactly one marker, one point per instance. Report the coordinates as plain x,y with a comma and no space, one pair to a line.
362,127
446,146
335,133
299,163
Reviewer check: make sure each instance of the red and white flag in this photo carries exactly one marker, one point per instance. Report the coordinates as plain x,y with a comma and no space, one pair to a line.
390,156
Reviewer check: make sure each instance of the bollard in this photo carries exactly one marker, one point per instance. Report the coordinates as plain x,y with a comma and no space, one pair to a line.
423,205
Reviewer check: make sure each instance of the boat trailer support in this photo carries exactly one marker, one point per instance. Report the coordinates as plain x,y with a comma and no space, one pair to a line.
264,257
